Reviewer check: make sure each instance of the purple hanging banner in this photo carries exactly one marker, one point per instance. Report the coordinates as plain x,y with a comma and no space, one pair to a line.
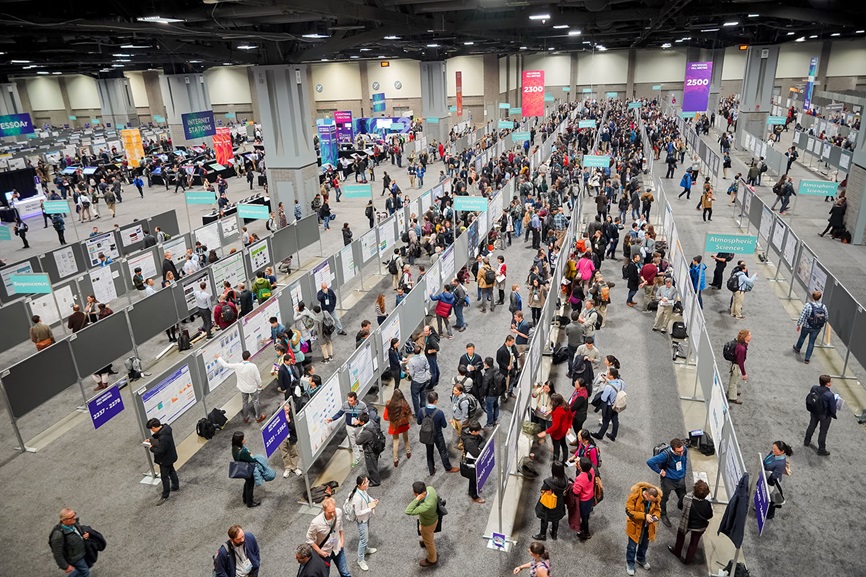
810,83
696,90
343,120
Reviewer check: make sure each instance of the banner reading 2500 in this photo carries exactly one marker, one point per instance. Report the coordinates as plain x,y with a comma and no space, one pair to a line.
533,93
696,91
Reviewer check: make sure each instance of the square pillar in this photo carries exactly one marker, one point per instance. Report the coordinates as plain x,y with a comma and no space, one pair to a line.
718,58
154,93
115,102
758,81
10,100
629,79
491,87
182,94
434,99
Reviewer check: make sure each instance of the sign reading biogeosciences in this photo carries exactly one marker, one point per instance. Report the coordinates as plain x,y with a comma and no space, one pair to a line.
735,243
696,90
12,124
33,283
198,124
817,188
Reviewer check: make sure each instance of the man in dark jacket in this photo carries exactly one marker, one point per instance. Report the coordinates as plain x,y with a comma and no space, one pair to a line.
825,410
67,544
149,239
473,442
168,265
328,300
245,300
473,363
431,351
506,358
439,425
77,320
492,387
164,452
310,565
632,275
239,556
366,438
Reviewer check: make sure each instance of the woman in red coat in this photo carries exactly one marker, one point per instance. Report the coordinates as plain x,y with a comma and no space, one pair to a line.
561,421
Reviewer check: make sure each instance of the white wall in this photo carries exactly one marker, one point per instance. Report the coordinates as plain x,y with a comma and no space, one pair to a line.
602,68
408,72
82,92
794,59
657,66
472,68
734,67
228,85
847,59
557,68
339,80
44,93
137,88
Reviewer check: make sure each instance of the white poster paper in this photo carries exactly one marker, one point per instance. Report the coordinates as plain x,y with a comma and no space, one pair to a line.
433,285
192,283
361,367
766,222
46,308
133,234
6,274
804,267
171,397
228,344
779,233
64,258
446,265
426,200
322,274
369,247
390,329
260,256
717,408
229,227
177,247
230,268
347,261
101,243
324,405
790,251
296,293
209,236
386,238
103,284
818,278
147,263
257,328
401,221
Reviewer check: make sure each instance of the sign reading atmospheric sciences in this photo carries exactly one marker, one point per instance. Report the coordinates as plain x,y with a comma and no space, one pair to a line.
735,243
596,161
470,203
12,124
696,89
520,136
586,123
198,124
817,188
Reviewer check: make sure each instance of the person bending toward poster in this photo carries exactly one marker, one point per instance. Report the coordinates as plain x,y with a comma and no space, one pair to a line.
161,444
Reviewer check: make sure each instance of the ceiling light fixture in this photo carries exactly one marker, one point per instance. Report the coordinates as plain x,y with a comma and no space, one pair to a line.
159,19
42,72
813,36
353,56
432,46
117,65
539,17
731,23
122,55
366,49
19,61
314,35
227,63
247,47
551,48
710,30
123,60
135,46
687,38
861,31
560,27
392,38
574,32
753,15
666,45
195,61
800,39
601,48
468,44
56,73
790,34
523,47
835,34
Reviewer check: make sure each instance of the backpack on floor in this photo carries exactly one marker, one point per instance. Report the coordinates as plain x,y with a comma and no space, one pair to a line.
184,343
218,418
205,429
560,355
678,330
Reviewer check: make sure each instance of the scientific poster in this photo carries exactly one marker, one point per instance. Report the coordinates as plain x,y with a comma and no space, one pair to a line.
296,293
209,236
386,238
130,236
390,329
361,367
260,256
229,227
231,269
717,408
147,263
426,201
766,222
103,284
818,278
347,260
324,404
46,308
322,274
401,221
790,252
369,248
446,265
257,328
101,243
192,283
6,274
228,344
177,247
804,267
779,233
64,257
171,397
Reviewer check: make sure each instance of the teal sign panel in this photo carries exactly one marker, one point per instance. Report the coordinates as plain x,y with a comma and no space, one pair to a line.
566,88
735,243
95,121
817,188
520,136
5,233
470,203
657,87
200,197
158,118
586,123
253,211
634,105
358,190
586,90
431,120
230,115
596,161
776,120
506,125
452,108
36,283
548,98
611,94
688,114
517,111
73,118
504,105
55,207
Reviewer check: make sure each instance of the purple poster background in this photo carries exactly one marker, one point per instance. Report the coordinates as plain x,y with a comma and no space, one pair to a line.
343,120
275,431
105,406
696,89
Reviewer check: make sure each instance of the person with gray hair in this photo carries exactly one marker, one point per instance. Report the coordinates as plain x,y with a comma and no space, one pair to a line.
67,544
310,565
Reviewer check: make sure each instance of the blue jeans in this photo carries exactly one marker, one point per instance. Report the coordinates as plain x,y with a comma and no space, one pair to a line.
491,407
434,370
813,336
342,565
636,551
518,228
631,294
81,569
417,392
458,312
363,535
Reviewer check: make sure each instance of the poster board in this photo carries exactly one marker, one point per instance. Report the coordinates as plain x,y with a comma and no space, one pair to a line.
53,311
313,430
102,243
132,235
387,238
257,329
322,273
361,368
229,346
190,284
209,237
347,263
170,395
388,330
23,267
259,255
369,246
102,282
177,246
65,262
230,268
147,261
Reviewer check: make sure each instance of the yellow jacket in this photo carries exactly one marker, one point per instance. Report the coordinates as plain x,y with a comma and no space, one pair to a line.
635,508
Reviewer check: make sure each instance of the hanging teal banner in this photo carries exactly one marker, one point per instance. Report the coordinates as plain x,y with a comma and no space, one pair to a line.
199,197
586,123
5,233
506,125
586,90
55,207
35,283
596,161
95,121
504,105
517,111
73,118
548,98
776,120
357,190
470,203
430,120
634,105
611,94
253,211
230,115
735,243
657,87
520,136
452,108
158,118
817,188
566,88
688,114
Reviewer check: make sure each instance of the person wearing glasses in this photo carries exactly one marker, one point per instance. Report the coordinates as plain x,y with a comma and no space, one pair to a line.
67,544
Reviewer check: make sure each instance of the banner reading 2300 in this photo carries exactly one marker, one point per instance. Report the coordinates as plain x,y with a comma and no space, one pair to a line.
533,93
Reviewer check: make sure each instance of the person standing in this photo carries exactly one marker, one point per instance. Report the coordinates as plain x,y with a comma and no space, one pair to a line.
366,438
77,320
707,199
539,564
643,512
325,535
812,319
632,276
20,229
59,227
364,507
444,303
239,556
242,454
432,422
775,465
561,419
698,277
419,378
310,564
289,447
671,465
745,283
245,300
550,508
473,443
399,415
328,300
836,222
738,366
584,489
425,507
666,296
161,444
697,512
67,541
202,303
249,383
351,411
431,351
612,386
722,259
486,279
822,408
460,302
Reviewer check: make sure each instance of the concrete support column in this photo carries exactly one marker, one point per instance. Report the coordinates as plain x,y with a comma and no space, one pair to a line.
115,101
519,80
10,100
366,96
434,99
64,93
717,57
491,88
572,78
823,62
254,91
758,81
154,93
629,78
182,94
283,95
855,215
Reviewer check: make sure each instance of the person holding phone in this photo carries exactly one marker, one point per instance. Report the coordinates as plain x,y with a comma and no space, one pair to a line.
644,512
364,507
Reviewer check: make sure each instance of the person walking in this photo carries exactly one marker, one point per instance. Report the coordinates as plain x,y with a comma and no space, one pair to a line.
486,279
632,276
812,319
612,386
249,383
309,563
550,508
444,303
363,507
399,415
561,419
418,368
239,556
642,510
686,184
539,564
707,199
161,444
366,438
68,542
60,227
671,465
697,512
351,411
325,535
775,465
821,404
738,366
425,507
433,423
328,300
242,454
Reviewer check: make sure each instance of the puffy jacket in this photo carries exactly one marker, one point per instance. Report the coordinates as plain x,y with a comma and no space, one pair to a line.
445,301
635,508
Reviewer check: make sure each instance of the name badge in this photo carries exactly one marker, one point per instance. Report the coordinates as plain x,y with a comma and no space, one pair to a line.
679,465
327,302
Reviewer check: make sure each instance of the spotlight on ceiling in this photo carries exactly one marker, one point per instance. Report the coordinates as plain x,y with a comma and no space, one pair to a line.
560,27
541,17
159,19
574,32
392,38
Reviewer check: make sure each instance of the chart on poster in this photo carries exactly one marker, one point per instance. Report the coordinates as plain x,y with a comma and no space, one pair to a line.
804,267
257,328
6,274
209,236
362,367
296,293
130,236
369,248
386,238
228,345
322,274
177,247
347,259
46,308
171,397
260,256
101,243
766,222
390,330
230,269
818,278
103,284
229,227
147,263
322,406
401,221
64,258
191,284
432,280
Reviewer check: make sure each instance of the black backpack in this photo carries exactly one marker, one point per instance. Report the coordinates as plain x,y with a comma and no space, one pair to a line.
817,316
378,444
218,418
392,266
729,351
489,276
473,406
427,433
813,401
228,314
733,283
184,343
205,429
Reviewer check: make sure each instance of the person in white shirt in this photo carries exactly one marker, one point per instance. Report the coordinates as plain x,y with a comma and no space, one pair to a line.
191,265
148,288
666,295
364,507
249,384
202,302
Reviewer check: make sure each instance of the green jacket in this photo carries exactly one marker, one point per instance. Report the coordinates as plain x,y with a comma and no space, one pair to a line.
258,284
425,509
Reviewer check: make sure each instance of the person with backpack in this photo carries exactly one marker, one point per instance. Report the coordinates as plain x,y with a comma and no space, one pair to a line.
612,397
225,313
372,441
550,508
418,368
425,506
464,409
328,301
395,268
351,410
69,541
261,287
239,556
671,464
698,277
745,283
686,184
812,319
735,352
486,279
473,442
445,301
821,404
433,423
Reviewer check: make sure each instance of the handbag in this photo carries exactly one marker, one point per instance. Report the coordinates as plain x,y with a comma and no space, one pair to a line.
44,343
241,470
548,499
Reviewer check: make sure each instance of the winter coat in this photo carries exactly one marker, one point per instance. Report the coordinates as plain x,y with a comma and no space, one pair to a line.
635,510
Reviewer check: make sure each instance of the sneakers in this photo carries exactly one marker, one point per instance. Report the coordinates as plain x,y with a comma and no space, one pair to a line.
646,566
666,521
298,472
823,452
371,550
629,570
363,565
286,474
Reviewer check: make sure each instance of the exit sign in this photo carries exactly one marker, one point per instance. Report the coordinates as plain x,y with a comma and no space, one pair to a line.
384,64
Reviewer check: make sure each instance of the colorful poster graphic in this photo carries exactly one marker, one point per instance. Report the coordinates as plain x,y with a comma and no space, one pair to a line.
810,83
343,120
171,397
379,102
459,92
328,144
198,124
696,90
222,145
132,146
533,93
14,124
